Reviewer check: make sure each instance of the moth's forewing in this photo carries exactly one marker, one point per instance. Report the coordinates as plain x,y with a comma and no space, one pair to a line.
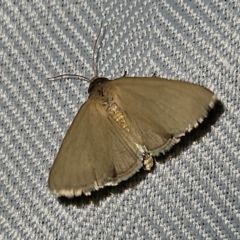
96,151
162,110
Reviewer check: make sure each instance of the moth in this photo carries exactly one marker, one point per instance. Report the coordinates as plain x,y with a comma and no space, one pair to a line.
124,123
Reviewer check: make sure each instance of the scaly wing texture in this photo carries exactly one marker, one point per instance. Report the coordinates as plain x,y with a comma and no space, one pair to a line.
95,152
162,110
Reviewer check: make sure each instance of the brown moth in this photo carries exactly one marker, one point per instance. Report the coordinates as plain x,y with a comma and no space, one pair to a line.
122,125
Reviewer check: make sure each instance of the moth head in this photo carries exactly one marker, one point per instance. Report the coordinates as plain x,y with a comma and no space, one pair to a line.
96,82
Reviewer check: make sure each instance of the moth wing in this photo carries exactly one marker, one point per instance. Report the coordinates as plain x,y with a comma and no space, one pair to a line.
161,110
95,152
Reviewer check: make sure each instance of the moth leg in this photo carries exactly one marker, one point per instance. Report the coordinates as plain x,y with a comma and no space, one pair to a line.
154,74
125,73
147,161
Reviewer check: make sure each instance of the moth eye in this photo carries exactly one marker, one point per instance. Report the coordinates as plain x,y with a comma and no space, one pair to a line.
100,93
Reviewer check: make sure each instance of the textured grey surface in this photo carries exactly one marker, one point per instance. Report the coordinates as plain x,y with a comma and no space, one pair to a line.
195,194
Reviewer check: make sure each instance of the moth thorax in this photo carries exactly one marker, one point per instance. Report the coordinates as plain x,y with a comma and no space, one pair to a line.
117,115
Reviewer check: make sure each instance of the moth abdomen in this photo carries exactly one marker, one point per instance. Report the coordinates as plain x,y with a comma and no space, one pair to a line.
117,115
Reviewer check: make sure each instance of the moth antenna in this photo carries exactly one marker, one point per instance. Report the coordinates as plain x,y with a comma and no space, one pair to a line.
94,66
95,70
68,76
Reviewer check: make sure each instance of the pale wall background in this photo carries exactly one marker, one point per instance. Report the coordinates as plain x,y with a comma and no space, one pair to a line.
194,194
